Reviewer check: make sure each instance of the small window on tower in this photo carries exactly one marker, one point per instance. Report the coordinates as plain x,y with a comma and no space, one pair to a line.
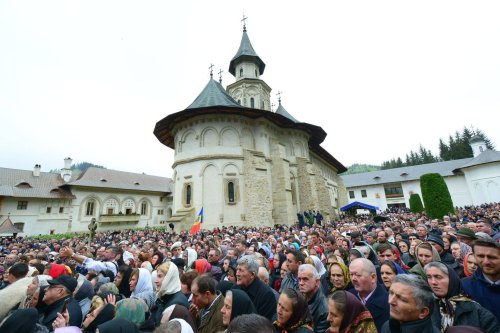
188,195
241,72
252,102
256,73
230,191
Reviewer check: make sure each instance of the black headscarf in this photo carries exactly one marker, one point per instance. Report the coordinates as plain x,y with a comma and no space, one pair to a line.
224,286
21,321
86,290
107,313
455,285
124,286
242,304
181,312
119,325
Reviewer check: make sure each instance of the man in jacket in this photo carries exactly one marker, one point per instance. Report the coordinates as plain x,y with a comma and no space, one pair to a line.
368,291
293,260
309,285
207,305
56,295
261,295
411,303
484,285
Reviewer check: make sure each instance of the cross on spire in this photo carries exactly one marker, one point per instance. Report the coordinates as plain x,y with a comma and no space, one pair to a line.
211,67
272,106
279,96
220,75
244,20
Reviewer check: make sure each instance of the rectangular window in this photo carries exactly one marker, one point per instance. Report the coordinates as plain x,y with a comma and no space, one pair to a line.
144,208
351,194
19,225
22,205
160,211
363,193
49,210
90,208
61,210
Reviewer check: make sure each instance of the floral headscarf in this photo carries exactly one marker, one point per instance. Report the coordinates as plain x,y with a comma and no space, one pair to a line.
345,272
301,317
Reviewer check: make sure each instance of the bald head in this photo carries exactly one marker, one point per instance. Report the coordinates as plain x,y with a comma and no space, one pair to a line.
363,265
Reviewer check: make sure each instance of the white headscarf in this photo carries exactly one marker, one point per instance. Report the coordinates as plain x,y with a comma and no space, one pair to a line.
185,327
171,283
192,256
144,282
318,265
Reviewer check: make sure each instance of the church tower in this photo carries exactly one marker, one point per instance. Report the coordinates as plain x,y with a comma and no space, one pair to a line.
247,67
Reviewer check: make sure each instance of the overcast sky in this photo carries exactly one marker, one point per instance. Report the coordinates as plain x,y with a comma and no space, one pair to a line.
90,79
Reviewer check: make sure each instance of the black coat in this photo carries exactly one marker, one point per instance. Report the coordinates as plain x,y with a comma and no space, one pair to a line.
50,313
469,314
377,304
418,326
262,297
161,304
318,307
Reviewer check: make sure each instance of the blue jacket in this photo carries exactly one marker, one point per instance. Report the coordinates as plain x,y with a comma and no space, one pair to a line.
378,305
483,292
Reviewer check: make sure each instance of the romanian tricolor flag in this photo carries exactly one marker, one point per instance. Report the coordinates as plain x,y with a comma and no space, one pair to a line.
197,224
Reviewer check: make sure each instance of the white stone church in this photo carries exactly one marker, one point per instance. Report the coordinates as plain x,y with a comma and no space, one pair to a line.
243,163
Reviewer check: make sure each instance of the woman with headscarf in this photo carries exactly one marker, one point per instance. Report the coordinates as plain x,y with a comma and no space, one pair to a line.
141,286
453,306
424,253
178,312
275,276
191,256
119,325
133,310
83,294
122,280
470,264
168,286
347,314
98,316
293,314
339,277
388,271
236,303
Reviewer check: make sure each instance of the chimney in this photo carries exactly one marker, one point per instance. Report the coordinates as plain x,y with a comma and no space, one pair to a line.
36,170
67,163
66,171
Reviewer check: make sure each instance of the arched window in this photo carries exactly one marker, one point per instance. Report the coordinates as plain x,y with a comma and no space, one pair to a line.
252,102
144,208
90,208
241,72
230,191
188,195
256,73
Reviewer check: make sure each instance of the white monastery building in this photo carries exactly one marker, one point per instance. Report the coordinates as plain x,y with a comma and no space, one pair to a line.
243,163
471,181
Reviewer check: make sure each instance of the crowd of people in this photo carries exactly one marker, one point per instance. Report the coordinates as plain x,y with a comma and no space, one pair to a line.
396,272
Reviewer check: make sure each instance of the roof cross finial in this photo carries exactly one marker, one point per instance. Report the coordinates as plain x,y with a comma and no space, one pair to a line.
244,20
220,75
211,67
272,106
279,96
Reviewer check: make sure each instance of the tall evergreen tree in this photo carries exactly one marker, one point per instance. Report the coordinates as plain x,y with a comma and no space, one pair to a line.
436,196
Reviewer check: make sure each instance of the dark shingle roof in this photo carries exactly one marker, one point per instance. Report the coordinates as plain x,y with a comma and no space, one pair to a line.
22,184
213,95
281,110
246,52
487,156
414,172
106,178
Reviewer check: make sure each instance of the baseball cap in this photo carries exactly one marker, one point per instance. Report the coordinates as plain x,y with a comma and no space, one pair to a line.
67,281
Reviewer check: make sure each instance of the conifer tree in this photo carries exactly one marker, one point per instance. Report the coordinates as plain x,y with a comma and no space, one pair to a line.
436,196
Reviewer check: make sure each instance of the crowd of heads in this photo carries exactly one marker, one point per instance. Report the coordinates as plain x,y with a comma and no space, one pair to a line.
326,276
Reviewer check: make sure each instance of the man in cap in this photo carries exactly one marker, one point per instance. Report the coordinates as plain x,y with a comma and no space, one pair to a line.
438,243
466,235
58,293
176,250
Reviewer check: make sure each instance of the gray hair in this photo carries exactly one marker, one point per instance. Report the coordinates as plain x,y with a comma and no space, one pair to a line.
309,267
423,226
366,264
422,293
439,265
251,262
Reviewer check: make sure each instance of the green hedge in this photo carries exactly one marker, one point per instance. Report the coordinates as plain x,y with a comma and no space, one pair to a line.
416,205
437,198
